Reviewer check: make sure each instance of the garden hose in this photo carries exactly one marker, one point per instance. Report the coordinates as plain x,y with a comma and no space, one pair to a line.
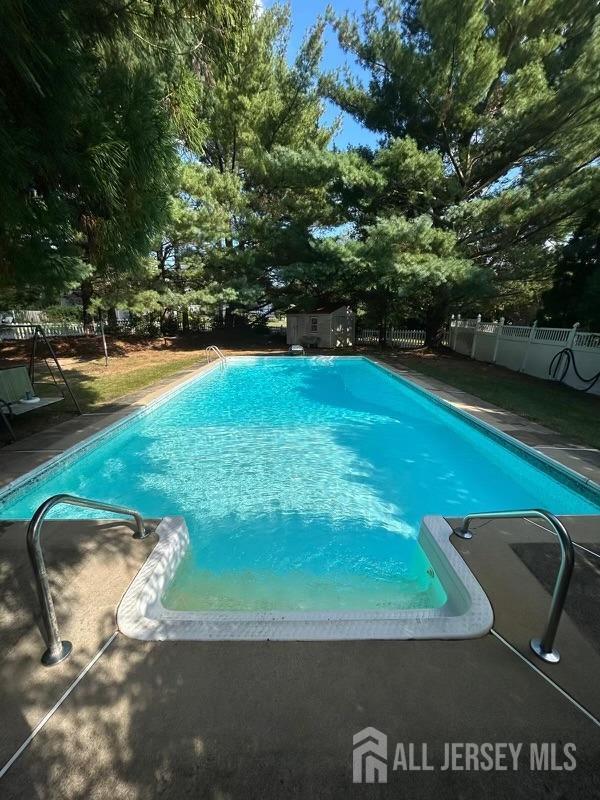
560,365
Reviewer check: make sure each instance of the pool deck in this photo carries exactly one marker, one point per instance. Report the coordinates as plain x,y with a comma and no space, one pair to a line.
274,719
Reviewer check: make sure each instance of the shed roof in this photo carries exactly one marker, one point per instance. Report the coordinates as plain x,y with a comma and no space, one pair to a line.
326,308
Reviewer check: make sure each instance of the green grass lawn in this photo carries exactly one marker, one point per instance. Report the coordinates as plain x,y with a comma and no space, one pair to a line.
95,387
574,414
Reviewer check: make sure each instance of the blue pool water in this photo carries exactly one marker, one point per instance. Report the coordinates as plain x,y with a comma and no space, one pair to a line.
303,482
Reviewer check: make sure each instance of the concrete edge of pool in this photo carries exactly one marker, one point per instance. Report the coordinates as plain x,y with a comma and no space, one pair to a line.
466,614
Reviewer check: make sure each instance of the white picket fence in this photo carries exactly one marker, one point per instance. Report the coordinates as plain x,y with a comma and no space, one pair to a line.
367,336
405,338
396,337
528,348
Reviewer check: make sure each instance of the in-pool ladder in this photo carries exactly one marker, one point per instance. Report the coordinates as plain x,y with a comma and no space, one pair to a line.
544,646
57,649
212,348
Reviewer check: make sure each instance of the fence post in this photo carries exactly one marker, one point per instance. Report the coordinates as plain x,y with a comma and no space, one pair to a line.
530,339
497,342
456,327
451,332
572,334
474,342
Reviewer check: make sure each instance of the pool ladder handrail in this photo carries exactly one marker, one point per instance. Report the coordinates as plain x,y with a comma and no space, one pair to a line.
212,348
57,649
544,646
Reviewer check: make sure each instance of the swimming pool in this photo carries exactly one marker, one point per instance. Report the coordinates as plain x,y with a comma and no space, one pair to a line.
303,484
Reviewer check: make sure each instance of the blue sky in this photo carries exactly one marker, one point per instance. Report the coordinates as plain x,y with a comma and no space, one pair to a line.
304,14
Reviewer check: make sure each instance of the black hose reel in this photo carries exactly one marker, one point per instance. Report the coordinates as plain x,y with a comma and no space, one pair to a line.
562,363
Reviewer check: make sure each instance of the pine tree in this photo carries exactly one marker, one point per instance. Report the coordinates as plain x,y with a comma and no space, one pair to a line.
256,182
507,94
575,293
93,103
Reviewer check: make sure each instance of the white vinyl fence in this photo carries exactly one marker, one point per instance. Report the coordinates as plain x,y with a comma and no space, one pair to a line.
531,349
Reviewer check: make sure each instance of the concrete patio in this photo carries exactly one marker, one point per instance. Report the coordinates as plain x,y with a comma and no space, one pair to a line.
270,719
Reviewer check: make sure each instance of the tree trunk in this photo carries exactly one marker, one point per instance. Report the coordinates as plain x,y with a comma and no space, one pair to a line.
435,320
162,323
185,319
86,297
383,327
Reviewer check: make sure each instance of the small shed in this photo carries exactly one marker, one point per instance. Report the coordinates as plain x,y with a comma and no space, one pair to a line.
328,326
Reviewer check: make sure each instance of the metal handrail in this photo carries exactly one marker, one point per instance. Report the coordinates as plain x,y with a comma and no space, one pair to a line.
544,646
212,348
57,650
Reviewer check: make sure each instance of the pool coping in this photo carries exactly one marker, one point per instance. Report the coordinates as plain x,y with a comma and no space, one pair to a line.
466,614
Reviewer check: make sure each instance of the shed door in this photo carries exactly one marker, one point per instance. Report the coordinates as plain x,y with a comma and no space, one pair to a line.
293,336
